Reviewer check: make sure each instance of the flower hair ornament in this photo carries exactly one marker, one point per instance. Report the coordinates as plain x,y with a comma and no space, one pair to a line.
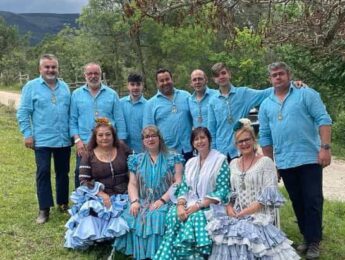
102,121
241,123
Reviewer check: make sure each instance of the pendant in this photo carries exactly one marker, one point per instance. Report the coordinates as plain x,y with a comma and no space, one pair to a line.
243,184
53,99
96,113
280,116
199,119
229,119
174,109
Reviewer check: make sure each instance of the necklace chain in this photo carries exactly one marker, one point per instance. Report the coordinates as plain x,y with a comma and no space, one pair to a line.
244,171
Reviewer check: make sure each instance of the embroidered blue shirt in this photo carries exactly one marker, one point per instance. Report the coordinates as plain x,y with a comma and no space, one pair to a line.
172,117
133,113
44,113
199,109
224,112
85,108
292,126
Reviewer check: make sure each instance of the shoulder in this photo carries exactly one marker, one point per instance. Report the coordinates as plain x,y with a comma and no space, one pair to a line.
183,93
174,158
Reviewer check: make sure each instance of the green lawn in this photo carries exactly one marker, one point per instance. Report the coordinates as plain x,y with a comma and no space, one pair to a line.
22,238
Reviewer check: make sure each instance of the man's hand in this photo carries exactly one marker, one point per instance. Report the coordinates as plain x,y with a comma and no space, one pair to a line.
29,142
81,149
324,157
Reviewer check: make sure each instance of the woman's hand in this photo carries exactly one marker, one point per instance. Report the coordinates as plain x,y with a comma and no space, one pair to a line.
181,213
106,199
156,205
194,208
230,211
134,209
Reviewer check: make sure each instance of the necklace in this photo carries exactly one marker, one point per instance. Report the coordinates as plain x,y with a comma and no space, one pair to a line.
244,172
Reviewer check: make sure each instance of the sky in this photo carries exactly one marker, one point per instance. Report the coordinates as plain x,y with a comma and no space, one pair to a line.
42,6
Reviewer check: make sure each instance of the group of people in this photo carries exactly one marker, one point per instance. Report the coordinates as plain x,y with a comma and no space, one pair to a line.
155,174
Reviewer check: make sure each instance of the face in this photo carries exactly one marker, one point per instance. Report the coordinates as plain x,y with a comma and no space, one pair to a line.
49,69
151,140
165,83
93,75
280,78
198,80
245,143
223,78
104,137
201,143
135,89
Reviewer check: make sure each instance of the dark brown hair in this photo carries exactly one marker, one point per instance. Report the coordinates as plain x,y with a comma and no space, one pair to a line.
199,130
93,144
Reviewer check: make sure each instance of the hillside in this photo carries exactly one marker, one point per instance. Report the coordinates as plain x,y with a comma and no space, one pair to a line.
39,24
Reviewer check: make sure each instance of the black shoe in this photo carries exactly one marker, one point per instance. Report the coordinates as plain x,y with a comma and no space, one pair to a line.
43,216
63,208
313,251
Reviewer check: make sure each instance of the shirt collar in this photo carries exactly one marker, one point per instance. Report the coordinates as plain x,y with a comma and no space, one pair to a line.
159,93
43,82
140,100
233,90
207,92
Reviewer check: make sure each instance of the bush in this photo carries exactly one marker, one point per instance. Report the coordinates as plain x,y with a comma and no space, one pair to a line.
338,129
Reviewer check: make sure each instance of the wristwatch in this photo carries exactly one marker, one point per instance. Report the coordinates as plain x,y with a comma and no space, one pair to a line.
326,146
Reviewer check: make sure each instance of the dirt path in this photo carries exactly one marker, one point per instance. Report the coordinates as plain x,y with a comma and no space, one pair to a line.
333,175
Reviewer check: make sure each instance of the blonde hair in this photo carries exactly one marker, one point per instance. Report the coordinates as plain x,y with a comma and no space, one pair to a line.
245,126
153,129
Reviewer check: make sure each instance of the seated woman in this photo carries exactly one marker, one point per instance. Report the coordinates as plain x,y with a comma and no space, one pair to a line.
244,228
206,182
152,175
101,198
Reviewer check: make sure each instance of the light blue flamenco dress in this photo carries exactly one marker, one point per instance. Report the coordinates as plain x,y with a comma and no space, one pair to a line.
148,227
254,236
91,221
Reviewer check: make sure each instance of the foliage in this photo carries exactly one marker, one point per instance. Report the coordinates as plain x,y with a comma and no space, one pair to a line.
338,129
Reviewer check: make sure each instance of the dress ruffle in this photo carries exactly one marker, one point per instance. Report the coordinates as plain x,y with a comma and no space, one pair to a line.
251,237
270,196
91,221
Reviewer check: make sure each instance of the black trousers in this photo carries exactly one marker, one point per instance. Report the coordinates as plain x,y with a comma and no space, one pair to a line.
304,185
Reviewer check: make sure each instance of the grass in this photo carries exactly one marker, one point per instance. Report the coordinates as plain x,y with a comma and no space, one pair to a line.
22,238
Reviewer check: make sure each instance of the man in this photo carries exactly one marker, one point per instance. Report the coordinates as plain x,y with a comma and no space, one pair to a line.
89,102
43,117
169,111
227,107
133,110
295,129
199,101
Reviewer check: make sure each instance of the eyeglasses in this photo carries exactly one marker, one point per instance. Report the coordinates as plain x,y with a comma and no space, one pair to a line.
243,141
92,73
150,136
276,74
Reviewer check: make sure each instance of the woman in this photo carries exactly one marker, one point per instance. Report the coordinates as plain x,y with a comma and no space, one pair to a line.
206,182
102,197
244,228
152,177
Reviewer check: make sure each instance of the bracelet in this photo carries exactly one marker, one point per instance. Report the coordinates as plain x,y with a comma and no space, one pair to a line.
163,200
199,204
134,201
77,140
181,203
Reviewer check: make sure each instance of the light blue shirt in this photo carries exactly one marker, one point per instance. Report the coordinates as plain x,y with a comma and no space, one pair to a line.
43,113
224,112
199,108
172,118
85,108
292,126
133,113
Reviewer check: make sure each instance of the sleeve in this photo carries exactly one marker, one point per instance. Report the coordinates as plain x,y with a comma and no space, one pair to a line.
25,111
132,162
265,136
73,119
222,189
212,123
85,170
256,96
270,195
173,159
182,190
119,120
148,114
316,107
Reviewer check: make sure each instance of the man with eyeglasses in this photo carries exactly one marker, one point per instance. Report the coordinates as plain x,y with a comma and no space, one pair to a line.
199,100
43,118
295,130
91,101
228,106
133,110
169,111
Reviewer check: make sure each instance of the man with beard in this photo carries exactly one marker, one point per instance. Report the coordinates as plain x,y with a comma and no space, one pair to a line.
43,117
169,111
91,101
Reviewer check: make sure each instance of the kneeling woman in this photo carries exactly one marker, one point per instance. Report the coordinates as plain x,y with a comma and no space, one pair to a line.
152,174
102,196
206,182
244,229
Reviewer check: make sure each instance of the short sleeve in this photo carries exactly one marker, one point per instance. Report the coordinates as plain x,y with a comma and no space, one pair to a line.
174,158
182,190
132,162
222,189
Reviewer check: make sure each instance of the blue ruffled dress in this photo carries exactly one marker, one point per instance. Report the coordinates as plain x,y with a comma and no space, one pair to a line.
253,236
148,227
